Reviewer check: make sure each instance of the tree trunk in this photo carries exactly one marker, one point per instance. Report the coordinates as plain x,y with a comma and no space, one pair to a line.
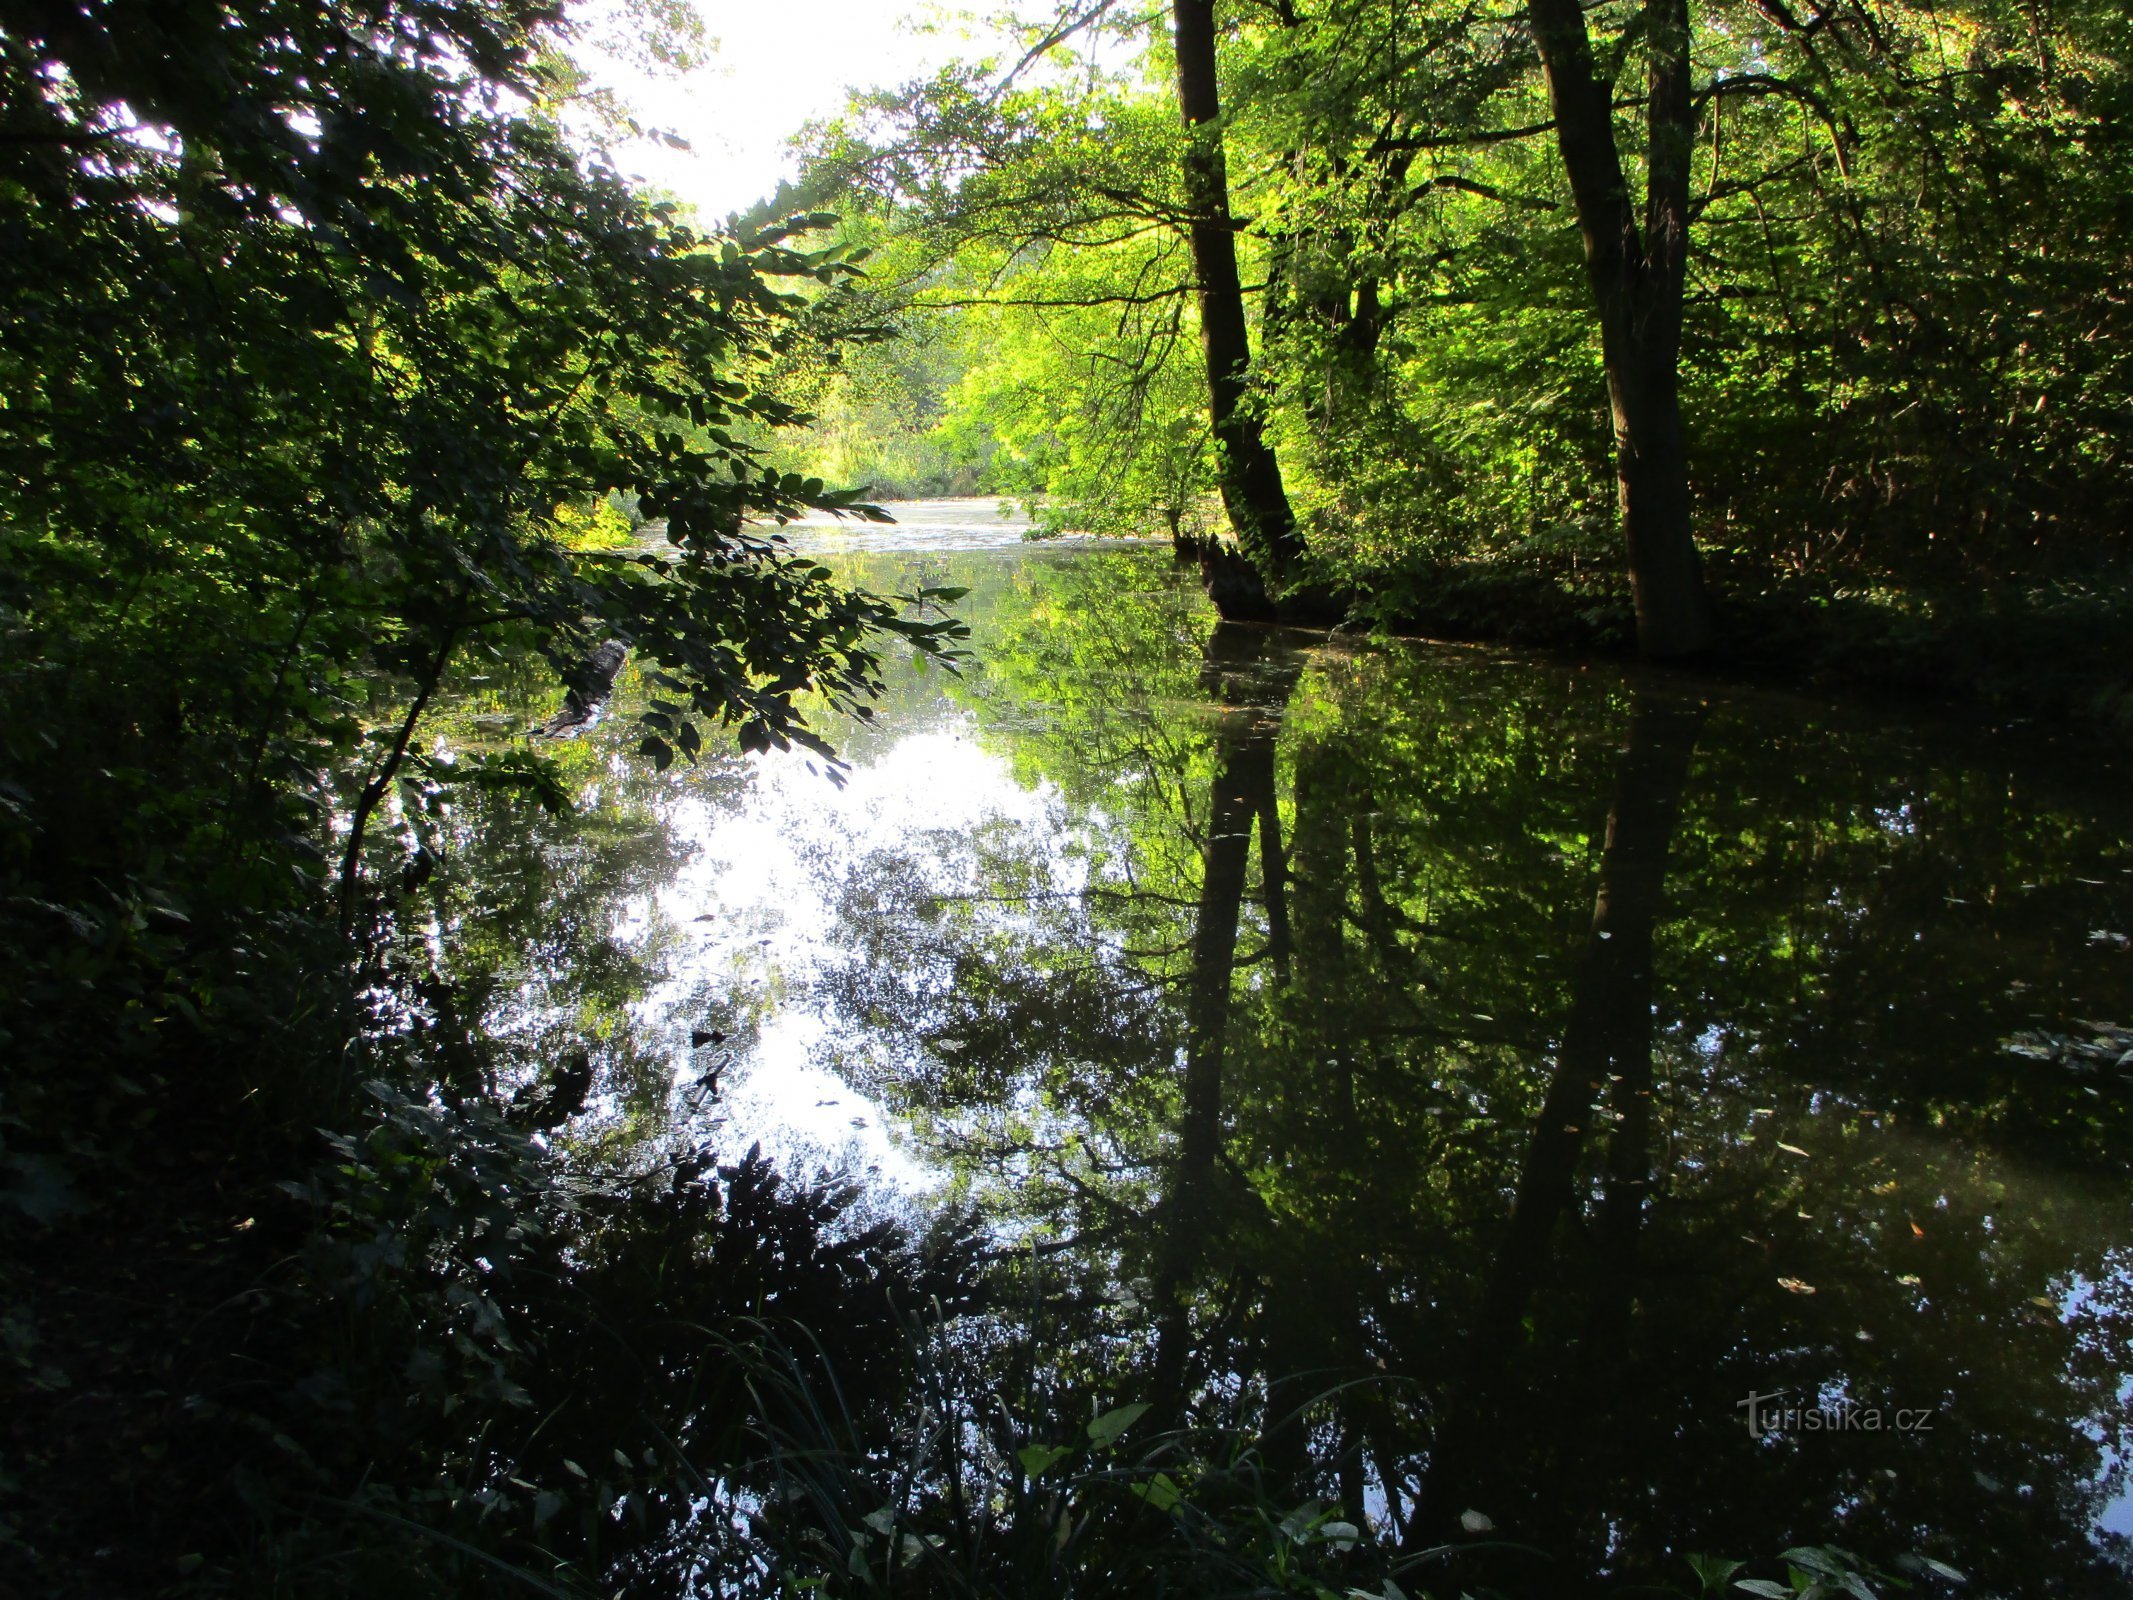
381,781
1252,490
1637,277
1239,795
1606,1053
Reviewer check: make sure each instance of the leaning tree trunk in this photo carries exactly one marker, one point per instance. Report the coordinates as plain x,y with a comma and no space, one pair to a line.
1252,490
1637,277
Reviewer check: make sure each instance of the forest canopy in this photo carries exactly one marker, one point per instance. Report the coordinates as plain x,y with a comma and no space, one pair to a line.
1878,249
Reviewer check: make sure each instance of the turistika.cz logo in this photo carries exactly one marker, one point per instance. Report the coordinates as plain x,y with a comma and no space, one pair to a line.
1779,1412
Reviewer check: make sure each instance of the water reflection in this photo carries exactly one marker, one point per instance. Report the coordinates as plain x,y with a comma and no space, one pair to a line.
1486,1073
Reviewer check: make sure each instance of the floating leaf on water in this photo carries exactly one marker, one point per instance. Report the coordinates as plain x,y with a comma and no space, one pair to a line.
2111,1046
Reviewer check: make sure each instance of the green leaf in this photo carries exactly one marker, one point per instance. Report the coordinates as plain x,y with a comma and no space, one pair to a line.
1712,1571
1038,1459
1815,1559
1160,1492
1106,1429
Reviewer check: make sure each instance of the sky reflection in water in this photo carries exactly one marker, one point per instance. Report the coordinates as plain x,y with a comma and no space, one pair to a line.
1570,1054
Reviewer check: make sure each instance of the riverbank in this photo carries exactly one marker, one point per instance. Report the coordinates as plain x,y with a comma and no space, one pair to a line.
2023,653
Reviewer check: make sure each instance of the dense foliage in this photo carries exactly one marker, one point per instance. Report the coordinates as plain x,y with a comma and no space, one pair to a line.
331,368
1900,360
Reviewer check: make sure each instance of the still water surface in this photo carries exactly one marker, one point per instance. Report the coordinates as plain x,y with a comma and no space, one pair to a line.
1567,1054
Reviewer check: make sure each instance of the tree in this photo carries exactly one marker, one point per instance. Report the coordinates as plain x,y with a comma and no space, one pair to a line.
1071,198
1252,489
1637,276
327,356
333,374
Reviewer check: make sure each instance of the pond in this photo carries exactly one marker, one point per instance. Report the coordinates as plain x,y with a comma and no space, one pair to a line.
1653,1116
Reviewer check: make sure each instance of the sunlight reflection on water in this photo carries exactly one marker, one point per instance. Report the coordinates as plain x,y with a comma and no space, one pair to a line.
760,894
974,523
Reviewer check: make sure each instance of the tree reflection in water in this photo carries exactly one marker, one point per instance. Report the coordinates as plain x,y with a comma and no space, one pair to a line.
1475,1077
